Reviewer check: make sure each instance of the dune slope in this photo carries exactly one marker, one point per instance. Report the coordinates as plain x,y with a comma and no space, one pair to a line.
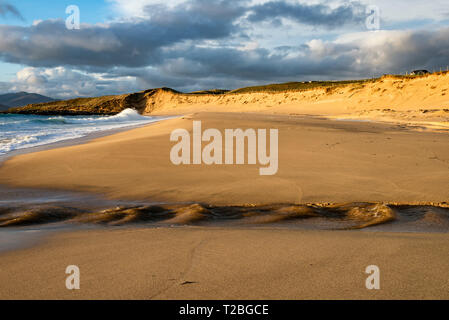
424,98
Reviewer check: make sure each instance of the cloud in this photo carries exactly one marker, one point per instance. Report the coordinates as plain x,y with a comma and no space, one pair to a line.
140,42
357,55
66,83
201,44
314,15
7,8
190,67
131,43
132,9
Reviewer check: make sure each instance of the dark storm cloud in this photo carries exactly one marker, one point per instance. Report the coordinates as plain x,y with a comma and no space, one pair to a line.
7,8
190,67
314,15
168,48
198,18
139,43
259,64
132,44
368,55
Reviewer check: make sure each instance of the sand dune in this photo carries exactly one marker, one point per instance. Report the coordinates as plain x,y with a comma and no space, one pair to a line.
390,98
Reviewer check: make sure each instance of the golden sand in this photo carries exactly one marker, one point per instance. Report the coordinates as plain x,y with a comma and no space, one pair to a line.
212,263
319,161
417,101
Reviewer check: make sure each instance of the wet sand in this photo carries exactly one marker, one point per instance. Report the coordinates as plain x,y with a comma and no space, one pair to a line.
76,210
212,263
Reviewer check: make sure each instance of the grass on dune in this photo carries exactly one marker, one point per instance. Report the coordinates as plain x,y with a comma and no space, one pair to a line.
298,86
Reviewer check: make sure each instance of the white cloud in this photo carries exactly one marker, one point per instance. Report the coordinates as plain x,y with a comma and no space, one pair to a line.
408,10
66,83
135,9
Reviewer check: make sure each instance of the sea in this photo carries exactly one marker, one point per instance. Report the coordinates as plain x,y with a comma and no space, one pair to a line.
27,131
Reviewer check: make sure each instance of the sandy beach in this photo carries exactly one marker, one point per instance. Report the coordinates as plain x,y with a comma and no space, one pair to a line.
224,150
198,263
320,161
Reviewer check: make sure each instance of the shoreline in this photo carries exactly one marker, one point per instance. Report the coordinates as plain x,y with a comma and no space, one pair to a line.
23,237
75,141
202,206
362,156
441,127
109,136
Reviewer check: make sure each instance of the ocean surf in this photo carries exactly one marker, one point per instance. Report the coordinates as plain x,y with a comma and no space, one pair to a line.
27,131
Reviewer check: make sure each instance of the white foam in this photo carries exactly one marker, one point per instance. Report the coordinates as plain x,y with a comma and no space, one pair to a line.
124,116
27,131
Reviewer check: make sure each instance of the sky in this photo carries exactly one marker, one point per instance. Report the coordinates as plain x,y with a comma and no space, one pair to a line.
131,45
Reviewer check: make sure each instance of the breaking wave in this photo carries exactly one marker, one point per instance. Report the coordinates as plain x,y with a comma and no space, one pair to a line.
26,131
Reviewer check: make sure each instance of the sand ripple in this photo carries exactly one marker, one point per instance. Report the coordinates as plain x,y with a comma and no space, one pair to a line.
433,217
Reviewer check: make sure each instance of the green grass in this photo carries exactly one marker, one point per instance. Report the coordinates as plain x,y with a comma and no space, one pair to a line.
299,86
213,91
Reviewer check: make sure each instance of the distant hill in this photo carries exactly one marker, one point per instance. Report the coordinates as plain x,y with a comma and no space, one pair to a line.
19,99
3,108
